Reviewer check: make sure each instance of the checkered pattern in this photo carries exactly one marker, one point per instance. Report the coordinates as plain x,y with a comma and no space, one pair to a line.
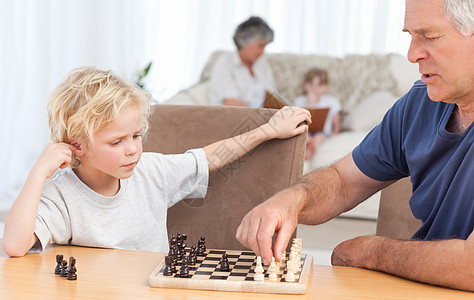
242,265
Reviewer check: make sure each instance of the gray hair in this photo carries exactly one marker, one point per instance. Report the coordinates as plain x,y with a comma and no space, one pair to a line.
462,14
250,30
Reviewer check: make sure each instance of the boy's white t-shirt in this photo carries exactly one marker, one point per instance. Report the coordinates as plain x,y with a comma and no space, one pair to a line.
70,212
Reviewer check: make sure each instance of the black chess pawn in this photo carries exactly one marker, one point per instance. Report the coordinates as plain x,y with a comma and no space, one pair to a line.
63,272
200,249
167,269
203,239
192,256
71,272
191,259
59,260
184,270
225,263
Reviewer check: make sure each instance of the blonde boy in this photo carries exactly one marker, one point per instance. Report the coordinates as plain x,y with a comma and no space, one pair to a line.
109,194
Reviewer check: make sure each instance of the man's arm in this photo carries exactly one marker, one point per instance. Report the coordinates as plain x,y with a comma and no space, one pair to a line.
447,263
316,198
283,124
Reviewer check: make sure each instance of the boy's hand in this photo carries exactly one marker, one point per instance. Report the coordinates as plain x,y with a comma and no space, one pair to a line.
284,123
54,156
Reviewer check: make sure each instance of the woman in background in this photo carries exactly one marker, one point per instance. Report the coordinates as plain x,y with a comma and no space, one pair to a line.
241,78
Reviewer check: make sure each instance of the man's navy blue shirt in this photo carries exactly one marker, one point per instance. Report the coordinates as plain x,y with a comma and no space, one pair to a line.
412,140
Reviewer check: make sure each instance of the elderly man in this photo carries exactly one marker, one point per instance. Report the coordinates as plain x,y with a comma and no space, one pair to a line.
428,135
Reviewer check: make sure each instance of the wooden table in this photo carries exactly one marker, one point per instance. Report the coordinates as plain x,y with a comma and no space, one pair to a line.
123,274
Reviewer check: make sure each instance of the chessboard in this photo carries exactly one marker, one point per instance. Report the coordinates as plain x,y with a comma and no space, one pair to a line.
206,274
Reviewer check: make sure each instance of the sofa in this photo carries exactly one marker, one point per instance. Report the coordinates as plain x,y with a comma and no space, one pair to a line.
365,85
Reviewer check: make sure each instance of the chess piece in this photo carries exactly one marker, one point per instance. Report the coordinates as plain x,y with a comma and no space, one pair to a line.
167,269
184,237
71,272
59,260
203,239
290,276
63,272
201,248
259,270
184,271
192,256
225,263
272,271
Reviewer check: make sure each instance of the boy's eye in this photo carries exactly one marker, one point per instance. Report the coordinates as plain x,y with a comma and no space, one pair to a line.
115,143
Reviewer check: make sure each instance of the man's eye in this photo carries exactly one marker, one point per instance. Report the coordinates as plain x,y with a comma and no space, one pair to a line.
135,136
431,38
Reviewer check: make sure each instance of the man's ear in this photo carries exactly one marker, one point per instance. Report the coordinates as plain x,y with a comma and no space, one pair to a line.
78,145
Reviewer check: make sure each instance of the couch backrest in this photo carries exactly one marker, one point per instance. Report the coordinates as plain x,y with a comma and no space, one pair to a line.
235,189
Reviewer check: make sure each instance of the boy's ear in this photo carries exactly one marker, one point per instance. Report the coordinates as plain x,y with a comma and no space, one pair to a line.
78,145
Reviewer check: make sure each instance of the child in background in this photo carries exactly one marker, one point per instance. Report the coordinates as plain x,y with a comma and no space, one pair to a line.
108,194
315,86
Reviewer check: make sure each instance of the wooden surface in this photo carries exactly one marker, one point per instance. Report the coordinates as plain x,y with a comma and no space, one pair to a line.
241,263
123,274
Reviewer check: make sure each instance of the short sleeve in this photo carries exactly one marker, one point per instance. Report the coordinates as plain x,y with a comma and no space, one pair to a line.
52,222
380,155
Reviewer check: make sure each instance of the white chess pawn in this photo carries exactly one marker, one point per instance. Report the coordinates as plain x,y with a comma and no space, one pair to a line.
272,271
282,259
290,276
259,270
292,255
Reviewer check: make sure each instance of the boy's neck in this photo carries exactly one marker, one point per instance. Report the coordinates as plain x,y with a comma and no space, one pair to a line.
103,184
312,99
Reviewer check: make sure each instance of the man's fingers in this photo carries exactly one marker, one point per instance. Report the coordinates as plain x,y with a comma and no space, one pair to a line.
266,231
251,234
282,239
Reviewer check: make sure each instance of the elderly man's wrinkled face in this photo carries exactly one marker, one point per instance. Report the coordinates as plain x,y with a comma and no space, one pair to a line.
251,52
443,54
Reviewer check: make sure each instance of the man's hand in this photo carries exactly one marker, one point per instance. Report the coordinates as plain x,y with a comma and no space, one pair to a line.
357,252
278,214
446,263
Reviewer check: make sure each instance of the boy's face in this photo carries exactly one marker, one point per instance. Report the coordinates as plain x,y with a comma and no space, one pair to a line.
116,150
314,87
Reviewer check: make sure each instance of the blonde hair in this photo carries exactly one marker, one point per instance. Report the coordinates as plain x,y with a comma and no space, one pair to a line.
89,100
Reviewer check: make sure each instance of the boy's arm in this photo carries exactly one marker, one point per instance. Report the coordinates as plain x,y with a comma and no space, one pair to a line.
283,124
19,236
